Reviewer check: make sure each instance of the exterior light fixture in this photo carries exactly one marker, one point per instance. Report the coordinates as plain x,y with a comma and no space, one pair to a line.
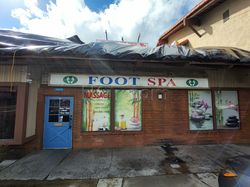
160,96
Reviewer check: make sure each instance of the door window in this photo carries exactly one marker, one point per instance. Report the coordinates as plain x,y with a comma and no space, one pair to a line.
59,110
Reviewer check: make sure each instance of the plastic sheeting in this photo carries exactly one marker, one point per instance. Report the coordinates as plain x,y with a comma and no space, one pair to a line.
23,44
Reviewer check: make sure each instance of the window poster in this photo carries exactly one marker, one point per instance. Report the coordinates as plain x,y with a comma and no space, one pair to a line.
200,110
96,110
128,110
227,109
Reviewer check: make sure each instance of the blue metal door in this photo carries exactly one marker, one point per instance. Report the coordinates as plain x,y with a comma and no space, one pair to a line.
57,132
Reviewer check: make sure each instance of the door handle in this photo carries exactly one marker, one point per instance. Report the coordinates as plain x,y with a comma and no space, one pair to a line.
70,118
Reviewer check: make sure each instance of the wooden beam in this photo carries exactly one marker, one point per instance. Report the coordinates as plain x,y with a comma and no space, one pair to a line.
195,31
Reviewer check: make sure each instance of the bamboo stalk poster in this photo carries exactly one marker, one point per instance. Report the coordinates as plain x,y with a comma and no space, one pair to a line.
96,110
227,109
128,110
200,110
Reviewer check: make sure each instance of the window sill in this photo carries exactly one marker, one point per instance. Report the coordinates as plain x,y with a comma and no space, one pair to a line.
97,133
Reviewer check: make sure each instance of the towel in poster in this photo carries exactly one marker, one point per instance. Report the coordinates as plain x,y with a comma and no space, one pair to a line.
96,110
128,110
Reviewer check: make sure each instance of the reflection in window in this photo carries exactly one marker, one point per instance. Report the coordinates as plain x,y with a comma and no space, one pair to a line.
65,103
53,118
7,114
53,110
65,118
54,103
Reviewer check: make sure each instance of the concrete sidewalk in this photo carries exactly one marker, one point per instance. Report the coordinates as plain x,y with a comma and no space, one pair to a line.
129,165
87,164
180,180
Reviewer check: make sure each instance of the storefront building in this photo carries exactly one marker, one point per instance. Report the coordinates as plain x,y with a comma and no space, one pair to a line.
101,111
59,102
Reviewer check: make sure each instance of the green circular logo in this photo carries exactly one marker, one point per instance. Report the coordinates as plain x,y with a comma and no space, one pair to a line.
70,79
192,82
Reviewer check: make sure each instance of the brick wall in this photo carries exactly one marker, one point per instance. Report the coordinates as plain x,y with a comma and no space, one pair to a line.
165,119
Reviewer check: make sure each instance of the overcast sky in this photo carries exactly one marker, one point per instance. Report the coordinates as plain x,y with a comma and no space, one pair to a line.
90,18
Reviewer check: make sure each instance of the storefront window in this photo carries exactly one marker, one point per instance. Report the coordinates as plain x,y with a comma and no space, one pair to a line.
7,114
96,110
200,110
128,110
227,110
